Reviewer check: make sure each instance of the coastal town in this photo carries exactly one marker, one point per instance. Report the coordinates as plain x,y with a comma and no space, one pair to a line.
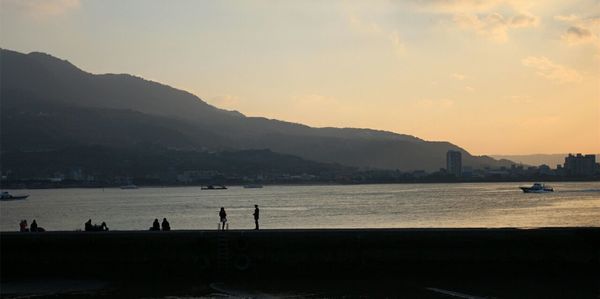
576,167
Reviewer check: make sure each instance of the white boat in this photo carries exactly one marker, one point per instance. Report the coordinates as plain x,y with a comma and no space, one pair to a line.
7,196
537,188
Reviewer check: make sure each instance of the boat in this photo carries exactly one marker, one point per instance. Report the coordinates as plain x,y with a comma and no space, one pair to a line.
213,187
7,196
253,186
128,187
537,188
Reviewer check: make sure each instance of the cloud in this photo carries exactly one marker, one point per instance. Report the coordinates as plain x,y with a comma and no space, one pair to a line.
457,6
494,26
41,8
471,6
580,30
524,20
576,35
491,19
546,68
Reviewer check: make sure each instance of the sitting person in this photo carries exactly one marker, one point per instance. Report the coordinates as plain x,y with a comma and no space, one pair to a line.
165,225
33,227
88,225
23,226
155,225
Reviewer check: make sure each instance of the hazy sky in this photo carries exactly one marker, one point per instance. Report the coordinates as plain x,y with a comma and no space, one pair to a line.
495,76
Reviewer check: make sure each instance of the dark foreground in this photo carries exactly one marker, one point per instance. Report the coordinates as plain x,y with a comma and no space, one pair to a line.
426,263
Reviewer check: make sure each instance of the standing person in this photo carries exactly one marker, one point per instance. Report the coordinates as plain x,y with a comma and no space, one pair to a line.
256,216
165,225
33,226
223,216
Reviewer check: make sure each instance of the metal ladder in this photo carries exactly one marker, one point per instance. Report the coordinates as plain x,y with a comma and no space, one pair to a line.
223,252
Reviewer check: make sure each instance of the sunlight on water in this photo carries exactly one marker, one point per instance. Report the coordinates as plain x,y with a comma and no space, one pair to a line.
372,206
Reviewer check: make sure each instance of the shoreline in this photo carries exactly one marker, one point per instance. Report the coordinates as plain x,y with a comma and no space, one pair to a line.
583,180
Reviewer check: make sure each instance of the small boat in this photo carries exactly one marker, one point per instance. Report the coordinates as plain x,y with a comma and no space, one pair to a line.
537,188
7,196
128,187
253,186
213,187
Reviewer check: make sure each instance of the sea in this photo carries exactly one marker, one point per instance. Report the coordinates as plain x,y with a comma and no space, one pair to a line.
315,206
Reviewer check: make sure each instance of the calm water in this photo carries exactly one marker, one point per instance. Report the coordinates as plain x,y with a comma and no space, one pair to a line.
394,205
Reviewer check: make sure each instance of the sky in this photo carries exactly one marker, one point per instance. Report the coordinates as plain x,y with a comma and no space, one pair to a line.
494,76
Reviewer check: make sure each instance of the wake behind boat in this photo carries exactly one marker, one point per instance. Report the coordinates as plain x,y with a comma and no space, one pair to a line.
7,196
537,188
129,187
253,186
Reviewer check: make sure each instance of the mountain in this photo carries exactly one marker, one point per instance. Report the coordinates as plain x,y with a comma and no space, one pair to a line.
48,103
538,159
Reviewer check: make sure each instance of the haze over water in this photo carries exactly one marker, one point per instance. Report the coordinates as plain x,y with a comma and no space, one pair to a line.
353,206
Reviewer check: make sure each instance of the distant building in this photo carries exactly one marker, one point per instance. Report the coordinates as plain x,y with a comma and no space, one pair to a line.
545,170
454,163
580,165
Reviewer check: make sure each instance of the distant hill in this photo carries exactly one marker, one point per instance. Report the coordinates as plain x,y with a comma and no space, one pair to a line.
156,162
48,103
538,159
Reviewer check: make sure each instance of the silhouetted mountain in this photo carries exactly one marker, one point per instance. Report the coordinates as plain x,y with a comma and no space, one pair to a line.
48,103
136,162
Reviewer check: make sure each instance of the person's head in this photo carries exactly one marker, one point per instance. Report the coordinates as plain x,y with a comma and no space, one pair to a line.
164,219
33,221
222,208
155,219
256,206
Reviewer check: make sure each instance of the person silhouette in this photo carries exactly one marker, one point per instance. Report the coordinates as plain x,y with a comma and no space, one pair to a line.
155,225
256,216
33,227
88,225
23,226
165,225
223,216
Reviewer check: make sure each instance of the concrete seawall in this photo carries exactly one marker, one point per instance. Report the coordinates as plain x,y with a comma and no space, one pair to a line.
299,253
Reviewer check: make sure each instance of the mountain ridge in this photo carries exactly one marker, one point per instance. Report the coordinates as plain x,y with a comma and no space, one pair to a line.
43,78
